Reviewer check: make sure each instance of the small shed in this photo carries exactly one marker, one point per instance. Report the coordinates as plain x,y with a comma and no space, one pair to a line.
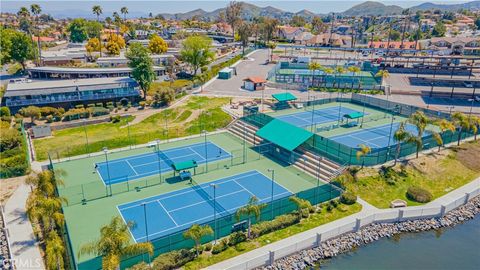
41,131
225,73
254,83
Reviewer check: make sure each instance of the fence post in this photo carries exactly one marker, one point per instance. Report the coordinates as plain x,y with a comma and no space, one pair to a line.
400,215
271,255
443,210
357,224
319,239
467,197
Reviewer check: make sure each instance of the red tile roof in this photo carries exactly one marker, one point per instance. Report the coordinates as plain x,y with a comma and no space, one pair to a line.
256,79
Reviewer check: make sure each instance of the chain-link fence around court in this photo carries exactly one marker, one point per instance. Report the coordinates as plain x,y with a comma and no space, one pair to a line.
344,154
223,226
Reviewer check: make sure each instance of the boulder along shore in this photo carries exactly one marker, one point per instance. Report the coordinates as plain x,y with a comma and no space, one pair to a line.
346,242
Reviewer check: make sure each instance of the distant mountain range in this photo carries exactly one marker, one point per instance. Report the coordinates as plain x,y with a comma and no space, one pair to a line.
364,9
250,11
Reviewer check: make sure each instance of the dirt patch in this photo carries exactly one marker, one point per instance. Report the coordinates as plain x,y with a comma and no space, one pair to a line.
469,155
428,164
8,187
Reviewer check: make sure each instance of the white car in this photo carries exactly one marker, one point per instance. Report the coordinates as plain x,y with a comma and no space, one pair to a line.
477,98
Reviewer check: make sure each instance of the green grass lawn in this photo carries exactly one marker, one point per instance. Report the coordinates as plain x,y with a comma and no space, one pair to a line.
315,220
199,113
439,173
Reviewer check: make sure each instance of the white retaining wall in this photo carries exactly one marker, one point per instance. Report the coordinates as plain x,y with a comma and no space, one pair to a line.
314,237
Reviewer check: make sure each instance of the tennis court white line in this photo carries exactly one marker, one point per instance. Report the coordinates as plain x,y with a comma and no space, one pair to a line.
358,139
131,234
197,220
168,213
201,156
143,164
235,180
205,201
187,191
131,167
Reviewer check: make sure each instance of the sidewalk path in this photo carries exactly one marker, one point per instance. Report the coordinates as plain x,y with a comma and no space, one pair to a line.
367,210
25,250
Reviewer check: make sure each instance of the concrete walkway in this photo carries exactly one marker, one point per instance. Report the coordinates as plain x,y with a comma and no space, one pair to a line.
25,250
367,210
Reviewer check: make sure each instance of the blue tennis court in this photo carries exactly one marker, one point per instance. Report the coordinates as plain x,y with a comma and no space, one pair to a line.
178,210
124,169
325,115
375,137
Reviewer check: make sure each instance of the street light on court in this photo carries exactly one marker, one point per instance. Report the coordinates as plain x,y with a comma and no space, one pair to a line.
105,151
157,141
214,186
273,181
144,205
206,151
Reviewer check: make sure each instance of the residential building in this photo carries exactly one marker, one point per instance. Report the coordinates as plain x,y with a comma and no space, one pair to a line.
289,32
327,39
82,73
122,61
455,45
394,45
68,93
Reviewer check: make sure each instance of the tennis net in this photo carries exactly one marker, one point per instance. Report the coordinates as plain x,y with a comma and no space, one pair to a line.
209,199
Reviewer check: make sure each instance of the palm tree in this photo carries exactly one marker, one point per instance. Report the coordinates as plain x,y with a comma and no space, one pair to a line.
124,11
354,70
117,20
328,72
382,74
114,243
314,66
462,122
400,136
364,150
36,10
196,232
474,125
444,126
252,208
244,33
300,203
54,252
338,70
420,120
97,10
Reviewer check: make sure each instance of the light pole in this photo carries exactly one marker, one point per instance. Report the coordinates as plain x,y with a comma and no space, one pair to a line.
471,107
86,137
157,141
395,110
313,114
214,186
129,138
105,151
144,205
273,181
206,151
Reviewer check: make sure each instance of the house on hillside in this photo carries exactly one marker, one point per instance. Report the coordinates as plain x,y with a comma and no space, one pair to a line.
289,32
302,38
327,39
455,45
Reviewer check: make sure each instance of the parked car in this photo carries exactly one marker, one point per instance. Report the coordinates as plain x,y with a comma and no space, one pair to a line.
477,98
468,84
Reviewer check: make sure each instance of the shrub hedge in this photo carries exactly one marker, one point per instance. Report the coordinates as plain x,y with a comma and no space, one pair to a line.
279,222
173,259
348,198
419,194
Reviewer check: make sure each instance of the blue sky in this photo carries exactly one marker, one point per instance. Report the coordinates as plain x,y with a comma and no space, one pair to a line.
74,8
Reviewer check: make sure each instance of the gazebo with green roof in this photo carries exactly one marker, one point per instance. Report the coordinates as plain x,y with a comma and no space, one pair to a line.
283,99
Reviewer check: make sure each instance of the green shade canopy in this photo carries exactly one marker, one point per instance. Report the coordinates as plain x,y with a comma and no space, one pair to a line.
284,97
353,115
184,165
284,134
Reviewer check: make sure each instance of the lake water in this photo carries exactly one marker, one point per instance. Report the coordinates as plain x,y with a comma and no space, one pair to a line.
456,248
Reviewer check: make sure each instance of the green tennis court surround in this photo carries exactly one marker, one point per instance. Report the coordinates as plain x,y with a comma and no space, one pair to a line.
284,97
284,134
184,165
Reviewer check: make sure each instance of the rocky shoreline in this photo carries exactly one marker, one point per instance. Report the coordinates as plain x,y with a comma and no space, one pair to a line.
347,242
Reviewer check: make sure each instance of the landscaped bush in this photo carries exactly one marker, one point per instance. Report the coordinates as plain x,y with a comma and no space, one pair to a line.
115,118
98,111
173,259
74,114
208,246
419,194
236,237
279,222
348,198
223,245
13,155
